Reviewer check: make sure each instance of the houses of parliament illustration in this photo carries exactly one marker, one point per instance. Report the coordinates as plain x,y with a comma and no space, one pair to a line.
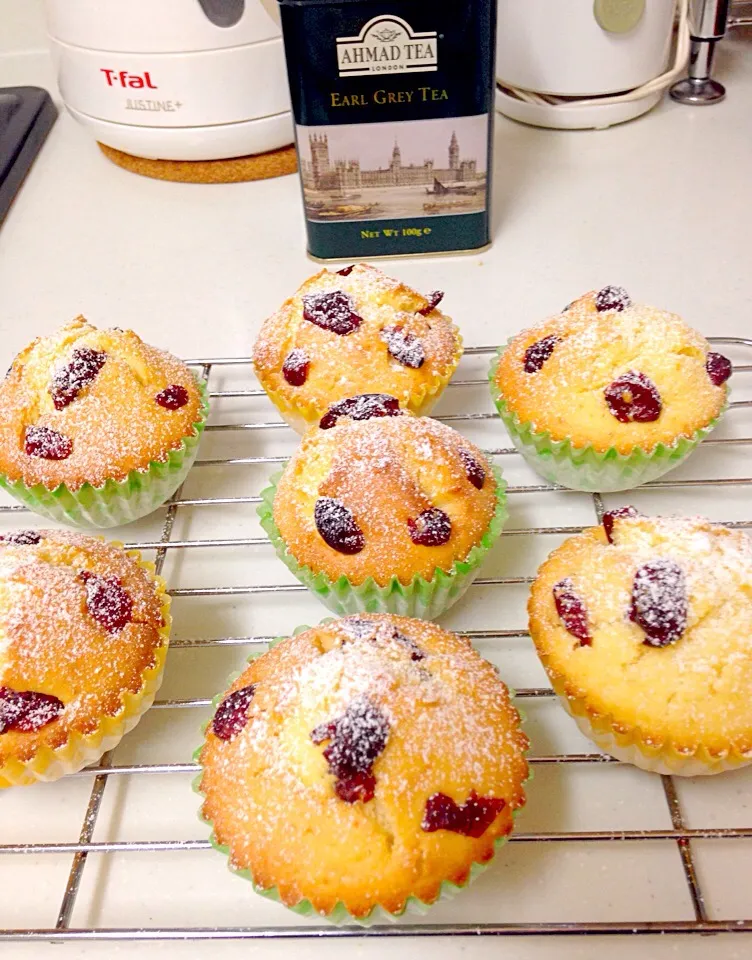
320,173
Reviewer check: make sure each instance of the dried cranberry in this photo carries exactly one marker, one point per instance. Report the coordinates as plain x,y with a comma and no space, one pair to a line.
475,472
572,611
337,527
718,367
362,407
173,397
82,368
431,528
404,346
537,354
610,516
434,299
659,602
612,298
356,740
24,538
295,368
359,627
471,818
633,397
231,715
410,645
107,602
334,311
47,444
346,271
27,711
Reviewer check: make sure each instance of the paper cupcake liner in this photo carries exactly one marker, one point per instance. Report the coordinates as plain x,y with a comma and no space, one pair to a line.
116,502
302,416
632,747
587,469
424,599
82,749
340,915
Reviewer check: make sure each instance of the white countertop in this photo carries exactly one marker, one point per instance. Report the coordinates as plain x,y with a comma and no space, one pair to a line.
662,206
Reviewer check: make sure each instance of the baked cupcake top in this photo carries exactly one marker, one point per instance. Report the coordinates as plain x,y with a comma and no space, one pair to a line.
81,622
395,496
355,331
608,372
363,761
87,405
648,620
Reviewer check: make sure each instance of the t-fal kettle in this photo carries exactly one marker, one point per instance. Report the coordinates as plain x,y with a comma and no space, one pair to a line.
174,79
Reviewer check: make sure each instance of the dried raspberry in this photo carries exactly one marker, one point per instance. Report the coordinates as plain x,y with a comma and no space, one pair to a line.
346,271
27,711
432,528
231,715
107,602
659,602
334,311
362,407
572,611
24,538
356,740
537,354
433,300
404,346
612,298
337,527
295,368
475,472
471,818
81,370
173,397
718,367
612,515
633,397
47,444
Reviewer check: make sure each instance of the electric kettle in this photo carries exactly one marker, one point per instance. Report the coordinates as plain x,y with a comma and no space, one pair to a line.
174,79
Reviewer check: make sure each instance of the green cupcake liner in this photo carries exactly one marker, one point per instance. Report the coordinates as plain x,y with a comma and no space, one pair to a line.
424,599
116,502
587,469
340,915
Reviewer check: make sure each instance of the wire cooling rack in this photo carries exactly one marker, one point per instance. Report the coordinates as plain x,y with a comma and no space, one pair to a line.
692,907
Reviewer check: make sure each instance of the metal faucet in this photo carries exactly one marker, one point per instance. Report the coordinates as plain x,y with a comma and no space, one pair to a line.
708,22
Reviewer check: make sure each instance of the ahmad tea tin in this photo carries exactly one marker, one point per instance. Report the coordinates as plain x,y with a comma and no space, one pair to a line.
393,105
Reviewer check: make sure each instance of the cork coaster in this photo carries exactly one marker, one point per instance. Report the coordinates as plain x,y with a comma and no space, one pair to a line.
261,166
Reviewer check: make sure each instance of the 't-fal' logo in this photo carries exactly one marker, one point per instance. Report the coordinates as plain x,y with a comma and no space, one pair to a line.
121,78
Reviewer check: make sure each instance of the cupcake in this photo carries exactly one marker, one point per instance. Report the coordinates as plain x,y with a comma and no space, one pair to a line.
392,513
644,626
362,767
608,394
85,633
351,332
96,427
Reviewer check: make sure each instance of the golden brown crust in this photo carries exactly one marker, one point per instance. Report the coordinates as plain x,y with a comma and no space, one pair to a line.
115,424
386,471
452,730
344,366
50,643
693,695
566,396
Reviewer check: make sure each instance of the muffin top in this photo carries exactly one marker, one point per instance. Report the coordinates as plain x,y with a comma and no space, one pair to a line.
363,761
396,496
649,620
351,332
81,621
86,405
613,373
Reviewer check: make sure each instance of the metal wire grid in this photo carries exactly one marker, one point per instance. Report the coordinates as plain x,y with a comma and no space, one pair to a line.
105,769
